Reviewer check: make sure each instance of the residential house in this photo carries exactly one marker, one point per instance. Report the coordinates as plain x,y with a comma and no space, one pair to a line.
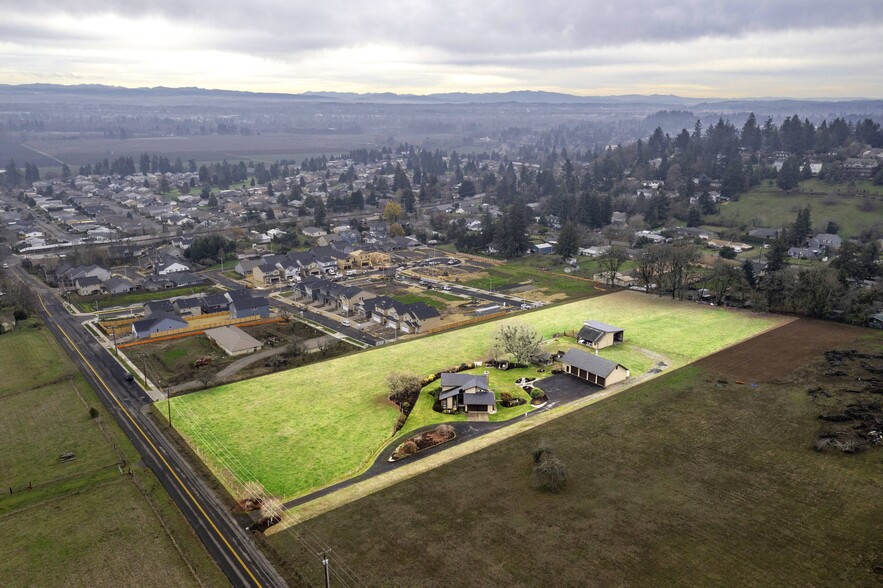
825,242
593,368
313,232
765,234
156,324
415,317
467,392
267,273
184,279
156,307
243,304
88,285
244,267
541,248
213,303
188,306
361,258
598,335
118,286
169,265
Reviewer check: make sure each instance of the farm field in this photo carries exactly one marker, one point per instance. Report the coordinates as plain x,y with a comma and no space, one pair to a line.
34,359
64,523
306,428
688,479
203,148
767,205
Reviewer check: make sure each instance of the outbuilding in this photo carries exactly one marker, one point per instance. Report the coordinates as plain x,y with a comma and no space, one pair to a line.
233,340
598,335
593,368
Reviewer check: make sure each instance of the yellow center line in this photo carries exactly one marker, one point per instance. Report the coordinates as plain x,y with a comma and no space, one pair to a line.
155,449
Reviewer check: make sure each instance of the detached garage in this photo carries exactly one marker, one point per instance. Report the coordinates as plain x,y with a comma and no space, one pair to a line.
593,369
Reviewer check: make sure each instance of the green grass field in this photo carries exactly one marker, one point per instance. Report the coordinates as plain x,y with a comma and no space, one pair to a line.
34,360
769,206
412,298
681,481
305,428
81,523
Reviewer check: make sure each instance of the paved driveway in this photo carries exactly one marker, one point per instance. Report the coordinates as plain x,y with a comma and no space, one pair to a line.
562,388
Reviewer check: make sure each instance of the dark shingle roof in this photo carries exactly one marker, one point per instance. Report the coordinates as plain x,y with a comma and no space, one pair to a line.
589,362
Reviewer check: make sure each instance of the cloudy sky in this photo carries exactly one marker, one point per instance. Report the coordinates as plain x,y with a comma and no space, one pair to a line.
701,48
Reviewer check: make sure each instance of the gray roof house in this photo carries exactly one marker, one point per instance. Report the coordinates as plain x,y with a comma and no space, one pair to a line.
243,304
87,285
468,392
118,286
157,323
592,368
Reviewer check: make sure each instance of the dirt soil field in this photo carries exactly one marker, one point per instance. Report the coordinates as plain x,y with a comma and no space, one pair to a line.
773,355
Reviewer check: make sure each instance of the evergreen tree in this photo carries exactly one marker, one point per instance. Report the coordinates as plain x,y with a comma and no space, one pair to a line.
568,240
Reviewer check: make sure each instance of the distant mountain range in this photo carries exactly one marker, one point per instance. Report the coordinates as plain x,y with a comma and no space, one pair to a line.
94,92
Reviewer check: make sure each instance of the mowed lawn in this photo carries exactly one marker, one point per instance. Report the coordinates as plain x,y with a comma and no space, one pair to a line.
681,481
308,427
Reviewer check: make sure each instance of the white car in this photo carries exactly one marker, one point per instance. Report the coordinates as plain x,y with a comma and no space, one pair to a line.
345,322
446,288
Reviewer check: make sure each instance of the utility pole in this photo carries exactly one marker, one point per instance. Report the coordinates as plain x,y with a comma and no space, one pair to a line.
325,561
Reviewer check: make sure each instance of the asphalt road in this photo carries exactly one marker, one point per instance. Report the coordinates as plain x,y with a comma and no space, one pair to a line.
227,542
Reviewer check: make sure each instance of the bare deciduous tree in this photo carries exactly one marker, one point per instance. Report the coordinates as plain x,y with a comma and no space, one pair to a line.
522,342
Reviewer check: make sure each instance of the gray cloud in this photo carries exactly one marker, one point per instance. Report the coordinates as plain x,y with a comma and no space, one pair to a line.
406,45
468,28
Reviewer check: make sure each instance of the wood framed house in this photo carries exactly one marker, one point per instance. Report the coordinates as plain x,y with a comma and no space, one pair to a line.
592,368
598,335
466,392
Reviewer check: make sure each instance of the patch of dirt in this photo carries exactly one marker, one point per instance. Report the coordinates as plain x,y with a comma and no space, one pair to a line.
775,354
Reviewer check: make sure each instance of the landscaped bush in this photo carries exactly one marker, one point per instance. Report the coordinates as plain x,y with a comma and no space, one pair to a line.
405,449
537,393
444,430
505,396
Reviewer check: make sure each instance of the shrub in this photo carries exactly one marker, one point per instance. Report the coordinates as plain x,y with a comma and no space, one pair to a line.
444,430
537,393
550,474
400,422
20,314
93,412
505,396
405,449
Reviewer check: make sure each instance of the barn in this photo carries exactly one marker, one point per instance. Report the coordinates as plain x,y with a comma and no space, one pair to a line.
592,368
598,335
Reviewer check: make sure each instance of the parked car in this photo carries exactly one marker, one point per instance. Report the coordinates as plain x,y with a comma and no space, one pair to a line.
446,287
345,322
